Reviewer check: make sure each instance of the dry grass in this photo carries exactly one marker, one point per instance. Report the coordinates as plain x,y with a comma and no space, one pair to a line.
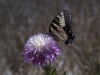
20,19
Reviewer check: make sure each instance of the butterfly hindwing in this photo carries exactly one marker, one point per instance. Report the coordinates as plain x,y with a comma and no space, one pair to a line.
60,27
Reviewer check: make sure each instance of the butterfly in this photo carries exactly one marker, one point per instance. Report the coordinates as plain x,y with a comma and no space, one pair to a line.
61,27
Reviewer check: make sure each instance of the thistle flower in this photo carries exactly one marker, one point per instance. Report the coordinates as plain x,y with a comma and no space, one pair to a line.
40,49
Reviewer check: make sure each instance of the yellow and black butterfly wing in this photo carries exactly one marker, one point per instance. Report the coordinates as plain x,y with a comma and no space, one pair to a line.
61,27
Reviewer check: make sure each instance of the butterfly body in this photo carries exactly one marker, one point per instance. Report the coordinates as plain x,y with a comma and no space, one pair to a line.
61,27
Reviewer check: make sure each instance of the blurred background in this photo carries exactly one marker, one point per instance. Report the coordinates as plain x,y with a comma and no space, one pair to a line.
20,19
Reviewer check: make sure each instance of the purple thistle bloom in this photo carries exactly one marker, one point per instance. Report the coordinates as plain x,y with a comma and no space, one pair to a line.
40,49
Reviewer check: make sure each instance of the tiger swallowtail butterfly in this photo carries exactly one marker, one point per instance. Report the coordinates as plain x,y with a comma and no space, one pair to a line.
61,27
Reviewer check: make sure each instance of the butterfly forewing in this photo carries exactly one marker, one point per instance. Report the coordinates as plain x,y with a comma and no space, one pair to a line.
57,26
61,26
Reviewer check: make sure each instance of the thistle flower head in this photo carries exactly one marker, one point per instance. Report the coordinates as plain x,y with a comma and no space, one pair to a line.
40,49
